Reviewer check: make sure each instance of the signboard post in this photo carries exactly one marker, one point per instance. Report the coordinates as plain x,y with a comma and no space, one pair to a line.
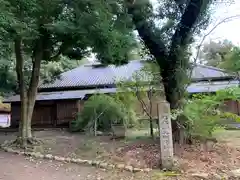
165,130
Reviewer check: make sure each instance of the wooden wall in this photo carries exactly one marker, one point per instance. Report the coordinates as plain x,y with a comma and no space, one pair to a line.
66,111
60,113
232,106
229,106
15,114
42,114
49,113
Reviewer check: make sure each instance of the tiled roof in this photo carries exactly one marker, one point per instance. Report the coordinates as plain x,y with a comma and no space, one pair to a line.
203,87
197,87
88,75
207,72
57,95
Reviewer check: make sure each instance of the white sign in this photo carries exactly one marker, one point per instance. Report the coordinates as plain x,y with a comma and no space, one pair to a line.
5,120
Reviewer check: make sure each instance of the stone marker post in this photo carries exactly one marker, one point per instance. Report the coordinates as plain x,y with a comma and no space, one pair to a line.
165,130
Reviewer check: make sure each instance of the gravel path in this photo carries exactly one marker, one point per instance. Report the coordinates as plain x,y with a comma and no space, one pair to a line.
16,167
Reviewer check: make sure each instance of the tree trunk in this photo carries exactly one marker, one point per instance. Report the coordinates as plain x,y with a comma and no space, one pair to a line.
150,112
23,121
25,132
151,128
27,93
174,98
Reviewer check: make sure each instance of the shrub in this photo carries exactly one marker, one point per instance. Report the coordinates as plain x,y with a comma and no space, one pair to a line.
203,116
77,125
204,113
106,110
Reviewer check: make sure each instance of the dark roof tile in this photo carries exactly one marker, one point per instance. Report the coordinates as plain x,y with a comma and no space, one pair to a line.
89,75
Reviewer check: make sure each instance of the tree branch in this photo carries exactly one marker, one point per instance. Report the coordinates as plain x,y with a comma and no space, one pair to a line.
146,30
37,58
144,107
185,25
60,50
172,68
143,104
180,4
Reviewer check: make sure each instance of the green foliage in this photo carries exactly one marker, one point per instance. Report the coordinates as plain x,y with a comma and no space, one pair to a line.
144,86
72,29
213,53
128,100
66,30
232,60
222,54
167,29
49,72
104,109
169,13
148,78
8,81
205,113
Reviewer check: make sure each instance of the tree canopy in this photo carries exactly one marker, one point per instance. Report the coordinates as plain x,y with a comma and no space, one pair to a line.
72,29
231,60
223,54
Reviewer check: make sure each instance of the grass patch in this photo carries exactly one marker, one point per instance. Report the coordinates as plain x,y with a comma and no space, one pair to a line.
170,174
162,175
139,134
223,134
231,137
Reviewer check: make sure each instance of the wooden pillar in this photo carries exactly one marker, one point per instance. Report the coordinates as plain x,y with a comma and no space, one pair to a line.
165,130
238,107
79,106
55,114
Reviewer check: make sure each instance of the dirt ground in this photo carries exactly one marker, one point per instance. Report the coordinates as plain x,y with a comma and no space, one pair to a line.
17,167
76,145
135,150
14,167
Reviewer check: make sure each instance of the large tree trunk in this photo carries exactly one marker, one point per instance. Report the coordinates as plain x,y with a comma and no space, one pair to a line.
168,58
27,92
25,132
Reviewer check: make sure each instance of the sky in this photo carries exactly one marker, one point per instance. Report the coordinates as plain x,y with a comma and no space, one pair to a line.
228,30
